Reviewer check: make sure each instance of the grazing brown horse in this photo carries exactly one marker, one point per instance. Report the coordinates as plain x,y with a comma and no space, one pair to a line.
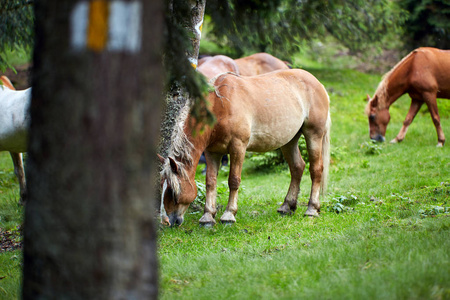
425,75
258,113
211,66
259,63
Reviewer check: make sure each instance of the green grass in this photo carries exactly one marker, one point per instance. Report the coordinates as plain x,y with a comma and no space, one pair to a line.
390,241
387,244
10,274
10,210
10,217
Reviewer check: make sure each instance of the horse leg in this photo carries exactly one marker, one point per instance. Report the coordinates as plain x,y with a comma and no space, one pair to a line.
314,147
213,164
432,107
413,110
237,155
296,164
20,173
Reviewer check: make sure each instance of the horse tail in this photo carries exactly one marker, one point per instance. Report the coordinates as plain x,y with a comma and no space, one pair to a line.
326,154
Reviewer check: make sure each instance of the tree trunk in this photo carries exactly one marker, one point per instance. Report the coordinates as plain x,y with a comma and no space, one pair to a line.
89,223
177,97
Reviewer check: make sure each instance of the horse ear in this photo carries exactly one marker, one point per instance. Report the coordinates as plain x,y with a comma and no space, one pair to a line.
374,102
6,82
161,159
368,98
173,165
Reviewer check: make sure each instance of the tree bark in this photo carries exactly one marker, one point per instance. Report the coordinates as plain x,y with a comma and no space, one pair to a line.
177,97
95,116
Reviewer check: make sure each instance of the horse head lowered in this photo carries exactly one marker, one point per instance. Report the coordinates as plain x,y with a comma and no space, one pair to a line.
423,75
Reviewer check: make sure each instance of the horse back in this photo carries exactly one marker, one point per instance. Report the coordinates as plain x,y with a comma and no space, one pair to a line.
217,65
430,71
259,63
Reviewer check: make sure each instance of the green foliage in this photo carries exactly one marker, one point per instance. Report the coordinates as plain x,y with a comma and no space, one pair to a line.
341,204
428,23
371,147
434,211
199,202
267,159
16,28
275,158
279,27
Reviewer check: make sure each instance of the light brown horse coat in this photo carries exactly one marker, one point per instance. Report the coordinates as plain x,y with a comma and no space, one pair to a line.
425,75
255,64
260,113
259,63
215,65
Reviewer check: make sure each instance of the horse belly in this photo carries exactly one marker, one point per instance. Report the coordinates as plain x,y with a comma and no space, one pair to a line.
14,122
13,136
16,142
275,127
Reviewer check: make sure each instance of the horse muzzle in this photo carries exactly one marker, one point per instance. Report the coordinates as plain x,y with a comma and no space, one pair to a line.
379,138
175,220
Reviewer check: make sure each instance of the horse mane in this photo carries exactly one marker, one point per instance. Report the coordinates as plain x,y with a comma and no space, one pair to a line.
7,83
180,149
213,80
381,92
216,88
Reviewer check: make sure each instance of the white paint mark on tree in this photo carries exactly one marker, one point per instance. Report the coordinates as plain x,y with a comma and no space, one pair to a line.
124,28
78,25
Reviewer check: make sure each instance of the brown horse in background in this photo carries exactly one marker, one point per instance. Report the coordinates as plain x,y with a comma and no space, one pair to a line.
212,66
255,64
425,75
259,63
259,113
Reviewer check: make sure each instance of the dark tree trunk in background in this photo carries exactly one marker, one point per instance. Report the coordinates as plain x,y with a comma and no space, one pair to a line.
177,97
89,223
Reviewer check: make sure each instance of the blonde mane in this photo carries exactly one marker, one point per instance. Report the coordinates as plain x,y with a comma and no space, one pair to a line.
180,149
381,92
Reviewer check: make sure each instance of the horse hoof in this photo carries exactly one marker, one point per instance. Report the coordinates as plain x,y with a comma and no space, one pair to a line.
228,218
207,220
439,145
207,225
394,141
286,209
283,211
311,212
227,223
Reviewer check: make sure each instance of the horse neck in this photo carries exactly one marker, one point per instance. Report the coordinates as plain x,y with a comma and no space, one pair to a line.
397,81
393,93
198,140
198,136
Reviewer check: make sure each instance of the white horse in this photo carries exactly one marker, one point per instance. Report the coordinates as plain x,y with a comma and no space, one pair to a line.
14,121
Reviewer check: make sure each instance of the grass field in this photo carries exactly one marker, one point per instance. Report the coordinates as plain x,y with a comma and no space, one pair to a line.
390,239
